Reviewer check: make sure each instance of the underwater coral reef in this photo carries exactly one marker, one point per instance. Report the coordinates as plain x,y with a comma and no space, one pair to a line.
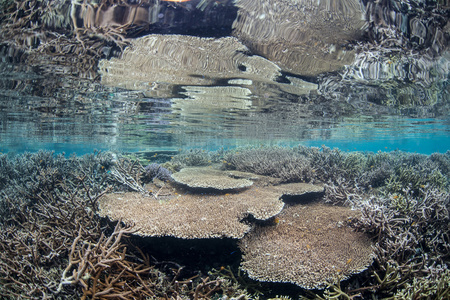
56,242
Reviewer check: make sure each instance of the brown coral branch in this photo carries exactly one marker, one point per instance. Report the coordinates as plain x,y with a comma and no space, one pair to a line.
102,269
206,288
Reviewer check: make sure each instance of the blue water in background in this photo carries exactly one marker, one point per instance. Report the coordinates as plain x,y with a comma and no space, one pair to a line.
41,111
424,136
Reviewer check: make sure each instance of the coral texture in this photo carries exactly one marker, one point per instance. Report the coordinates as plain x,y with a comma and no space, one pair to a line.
156,171
204,210
309,246
191,215
209,178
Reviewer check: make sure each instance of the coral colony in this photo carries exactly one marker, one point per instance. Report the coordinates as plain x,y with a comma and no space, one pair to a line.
308,223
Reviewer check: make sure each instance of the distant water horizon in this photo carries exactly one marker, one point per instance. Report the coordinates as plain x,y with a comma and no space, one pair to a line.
425,145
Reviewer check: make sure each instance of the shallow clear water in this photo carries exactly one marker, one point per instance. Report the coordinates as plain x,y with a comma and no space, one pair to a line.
157,78
66,114
283,78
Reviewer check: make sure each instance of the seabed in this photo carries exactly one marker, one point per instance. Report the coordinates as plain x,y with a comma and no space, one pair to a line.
57,242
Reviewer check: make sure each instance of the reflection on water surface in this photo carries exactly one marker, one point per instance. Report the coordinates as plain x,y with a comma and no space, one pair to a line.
161,77
365,75
53,112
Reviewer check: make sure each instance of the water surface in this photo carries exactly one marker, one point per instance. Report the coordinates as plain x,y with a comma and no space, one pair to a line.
66,114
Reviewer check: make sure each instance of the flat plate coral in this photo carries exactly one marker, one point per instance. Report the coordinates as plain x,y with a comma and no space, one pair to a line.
310,246
191,214
209,178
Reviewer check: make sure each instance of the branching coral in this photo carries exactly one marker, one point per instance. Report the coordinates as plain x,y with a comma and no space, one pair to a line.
129,173
29,175
193,158
409,232
412,236
239,279
155,171
414,177
104,270
52,237
278,162
356,171
406,213
101,268
38,232
54,246
434,286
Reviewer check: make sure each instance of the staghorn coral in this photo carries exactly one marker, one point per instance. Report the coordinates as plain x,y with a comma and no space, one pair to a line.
341,192
410,229
45,199
277,162
25,177
442,161
302,163
434,286
411,236
415,177
239,278
386,171
105,269
309,246
193,158
333,165
155,171
130,175
417,230
98,267
54,246
40,218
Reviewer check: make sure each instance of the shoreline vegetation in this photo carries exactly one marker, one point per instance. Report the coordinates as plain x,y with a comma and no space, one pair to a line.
54,244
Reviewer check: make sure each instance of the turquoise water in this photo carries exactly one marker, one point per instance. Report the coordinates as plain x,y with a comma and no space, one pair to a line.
161,86
66,114
311,73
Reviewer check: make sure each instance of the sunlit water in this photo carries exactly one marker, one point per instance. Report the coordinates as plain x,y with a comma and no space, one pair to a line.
65,114
156,77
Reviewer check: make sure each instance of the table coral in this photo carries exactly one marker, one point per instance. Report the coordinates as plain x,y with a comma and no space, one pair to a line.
310,246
